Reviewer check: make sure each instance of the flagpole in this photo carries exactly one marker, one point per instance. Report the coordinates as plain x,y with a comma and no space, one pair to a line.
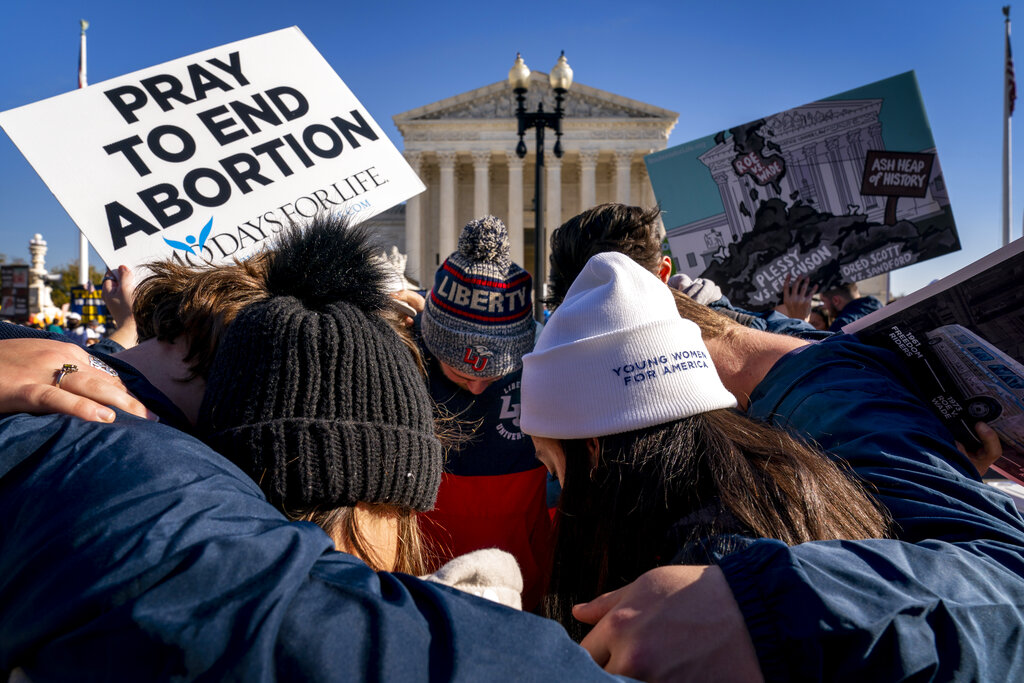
83,243
1009,95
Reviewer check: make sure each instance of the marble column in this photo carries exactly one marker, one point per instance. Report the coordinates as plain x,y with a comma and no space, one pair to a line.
481,180
588,178
623,163
514,220
553,197
447,237
414,225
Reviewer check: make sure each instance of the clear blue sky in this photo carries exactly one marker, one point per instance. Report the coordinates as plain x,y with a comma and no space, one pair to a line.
718,63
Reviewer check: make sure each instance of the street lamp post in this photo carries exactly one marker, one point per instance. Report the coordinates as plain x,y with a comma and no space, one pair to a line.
560,79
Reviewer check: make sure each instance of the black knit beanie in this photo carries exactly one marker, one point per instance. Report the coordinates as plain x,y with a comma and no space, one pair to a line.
312,394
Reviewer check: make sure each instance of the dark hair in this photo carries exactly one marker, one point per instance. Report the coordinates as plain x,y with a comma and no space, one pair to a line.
665,489
848,291
822,312
630,230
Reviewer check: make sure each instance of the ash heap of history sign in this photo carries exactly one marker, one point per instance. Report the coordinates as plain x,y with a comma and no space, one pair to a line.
840,190
208,156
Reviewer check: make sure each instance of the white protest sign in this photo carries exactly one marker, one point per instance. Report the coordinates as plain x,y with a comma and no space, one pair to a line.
210,155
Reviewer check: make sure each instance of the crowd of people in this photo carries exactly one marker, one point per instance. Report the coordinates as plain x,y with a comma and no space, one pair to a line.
112,330
84,332
293,467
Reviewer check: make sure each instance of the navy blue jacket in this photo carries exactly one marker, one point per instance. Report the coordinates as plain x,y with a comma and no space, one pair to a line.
131,551
943,602
854,310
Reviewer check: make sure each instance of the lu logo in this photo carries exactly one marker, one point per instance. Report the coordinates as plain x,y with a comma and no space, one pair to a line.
191,241
509,410
476,357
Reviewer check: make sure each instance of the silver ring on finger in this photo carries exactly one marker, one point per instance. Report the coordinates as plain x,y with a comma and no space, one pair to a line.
64,371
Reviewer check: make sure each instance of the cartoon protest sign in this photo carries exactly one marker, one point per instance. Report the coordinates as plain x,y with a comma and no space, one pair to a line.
14,292
839,190
208,156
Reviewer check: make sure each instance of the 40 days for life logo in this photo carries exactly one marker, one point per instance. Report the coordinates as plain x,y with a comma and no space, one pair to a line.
191,244
341,198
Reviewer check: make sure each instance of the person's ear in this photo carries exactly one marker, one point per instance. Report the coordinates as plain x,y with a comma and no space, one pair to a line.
665,271
594,449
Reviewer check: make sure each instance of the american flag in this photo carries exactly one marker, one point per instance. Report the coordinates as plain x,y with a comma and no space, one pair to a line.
1011,82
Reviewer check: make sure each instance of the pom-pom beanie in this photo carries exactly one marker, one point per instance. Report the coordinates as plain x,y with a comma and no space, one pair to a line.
616,357
313,394
478,314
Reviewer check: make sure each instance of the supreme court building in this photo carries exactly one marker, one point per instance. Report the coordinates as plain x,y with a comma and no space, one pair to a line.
463,148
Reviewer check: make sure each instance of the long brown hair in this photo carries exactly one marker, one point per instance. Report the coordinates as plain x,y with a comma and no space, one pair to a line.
342,525
658,490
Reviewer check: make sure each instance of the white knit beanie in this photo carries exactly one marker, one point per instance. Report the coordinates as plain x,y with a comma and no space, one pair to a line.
615,357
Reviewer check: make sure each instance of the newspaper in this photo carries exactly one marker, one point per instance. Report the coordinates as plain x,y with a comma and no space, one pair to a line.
963,338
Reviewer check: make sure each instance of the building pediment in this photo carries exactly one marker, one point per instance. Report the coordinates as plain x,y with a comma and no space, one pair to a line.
822,113
464,148
497,101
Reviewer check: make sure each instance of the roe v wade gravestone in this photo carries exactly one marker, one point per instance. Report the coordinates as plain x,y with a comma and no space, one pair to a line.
207,156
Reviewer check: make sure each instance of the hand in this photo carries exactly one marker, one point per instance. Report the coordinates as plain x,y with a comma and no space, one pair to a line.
678,623
119,295
30,368
412,299
796,299
990,451
701,290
